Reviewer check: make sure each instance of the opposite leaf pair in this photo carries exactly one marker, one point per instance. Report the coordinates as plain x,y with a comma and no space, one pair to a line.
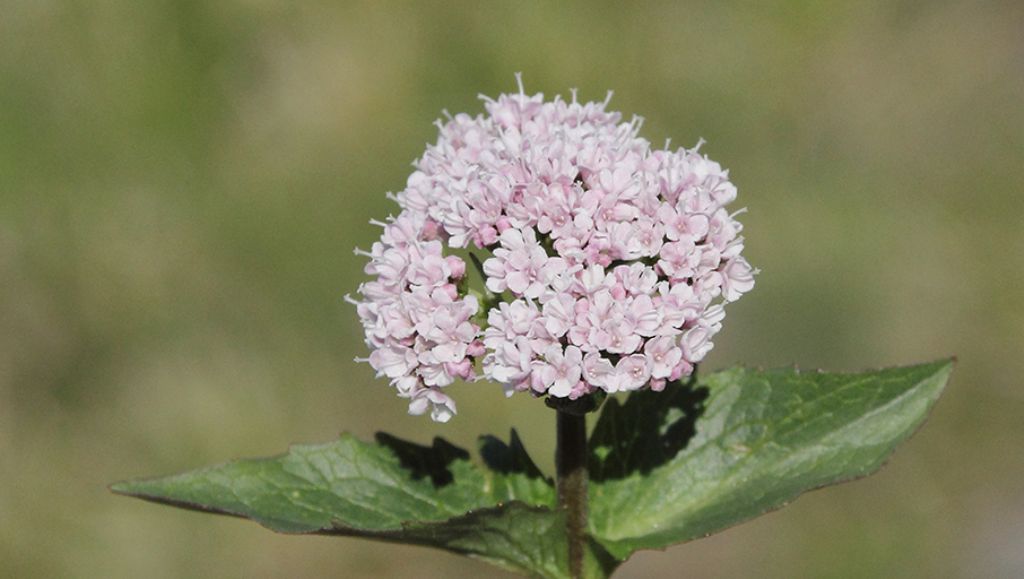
665,468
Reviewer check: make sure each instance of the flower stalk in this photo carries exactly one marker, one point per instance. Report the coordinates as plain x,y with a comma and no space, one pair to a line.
571,470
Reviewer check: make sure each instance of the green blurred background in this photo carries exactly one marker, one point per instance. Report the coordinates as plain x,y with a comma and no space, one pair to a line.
182,184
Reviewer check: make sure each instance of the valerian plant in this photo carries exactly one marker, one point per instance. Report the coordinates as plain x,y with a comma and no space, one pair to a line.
603,267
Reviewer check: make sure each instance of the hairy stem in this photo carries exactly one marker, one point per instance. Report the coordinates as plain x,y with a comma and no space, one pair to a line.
571,469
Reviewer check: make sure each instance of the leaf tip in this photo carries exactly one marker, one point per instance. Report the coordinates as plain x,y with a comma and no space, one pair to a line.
941,369
945,369
136,488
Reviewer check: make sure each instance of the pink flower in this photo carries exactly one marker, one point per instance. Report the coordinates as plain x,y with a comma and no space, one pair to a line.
429,268
696,343
598,370
509,321
679,304
441,406
679,260
456,267
642,316
521,265
631,373
559,314
636,279
737,279
509,361
681,224
592,280
603,249
663,354
393,361
560,371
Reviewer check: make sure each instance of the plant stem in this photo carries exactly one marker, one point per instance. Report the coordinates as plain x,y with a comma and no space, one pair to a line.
571,469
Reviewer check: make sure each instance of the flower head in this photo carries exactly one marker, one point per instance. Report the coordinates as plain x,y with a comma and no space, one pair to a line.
609,264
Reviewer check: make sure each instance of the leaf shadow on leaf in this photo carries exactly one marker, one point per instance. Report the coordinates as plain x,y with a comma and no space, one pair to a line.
510,458
646,431
425,461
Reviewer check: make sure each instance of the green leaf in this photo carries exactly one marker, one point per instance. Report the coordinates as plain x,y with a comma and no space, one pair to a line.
681,464
394,490
666,467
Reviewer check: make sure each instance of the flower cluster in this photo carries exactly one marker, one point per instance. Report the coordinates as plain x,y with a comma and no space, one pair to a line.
609,266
